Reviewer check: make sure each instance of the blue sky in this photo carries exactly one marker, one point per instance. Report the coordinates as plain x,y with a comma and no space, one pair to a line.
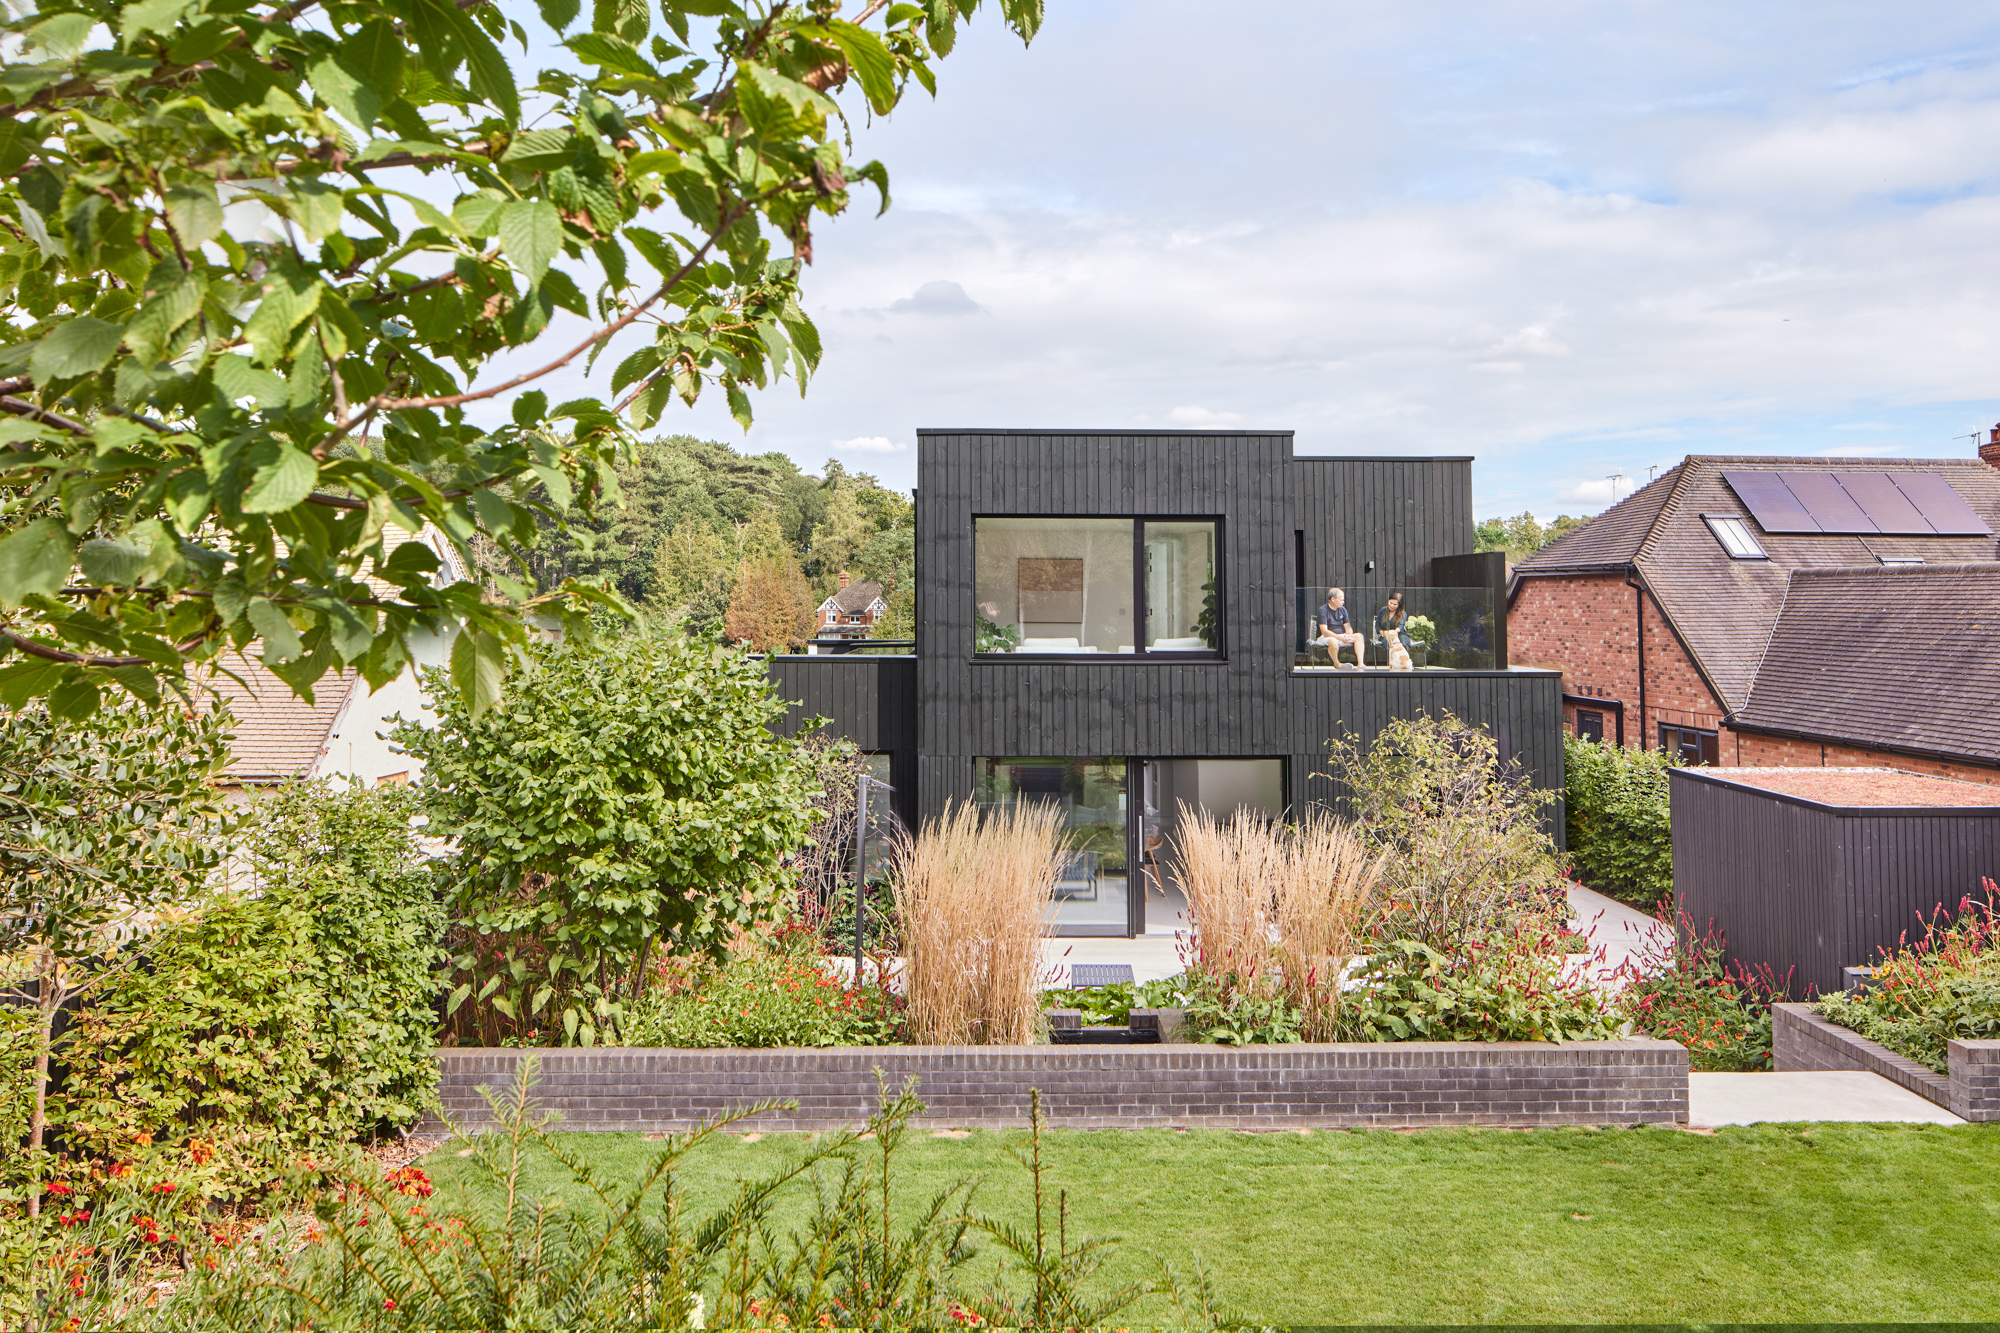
1571,239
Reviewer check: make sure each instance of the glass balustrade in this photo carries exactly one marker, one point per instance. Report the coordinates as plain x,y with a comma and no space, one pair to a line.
1395,629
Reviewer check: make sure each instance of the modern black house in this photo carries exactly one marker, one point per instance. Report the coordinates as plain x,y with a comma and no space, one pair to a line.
1124,622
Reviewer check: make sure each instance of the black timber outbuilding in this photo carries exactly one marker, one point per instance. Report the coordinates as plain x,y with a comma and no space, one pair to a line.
1285,528
1809,888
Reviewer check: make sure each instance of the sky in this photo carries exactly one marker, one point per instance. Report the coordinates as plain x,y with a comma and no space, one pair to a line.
1574,240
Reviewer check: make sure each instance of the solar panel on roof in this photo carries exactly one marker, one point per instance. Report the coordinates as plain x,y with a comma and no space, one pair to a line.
1770,502
1828,502
1937,501
1886,507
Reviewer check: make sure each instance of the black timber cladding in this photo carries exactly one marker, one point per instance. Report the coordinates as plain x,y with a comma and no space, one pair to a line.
996,707
1397,512
1814,888
867,699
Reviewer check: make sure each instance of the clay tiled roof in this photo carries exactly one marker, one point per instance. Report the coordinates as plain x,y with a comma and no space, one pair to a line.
1609,541
1724,609
278,735
1898,656
857,597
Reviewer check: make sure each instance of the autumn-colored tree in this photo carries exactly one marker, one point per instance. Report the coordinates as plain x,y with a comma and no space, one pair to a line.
772,607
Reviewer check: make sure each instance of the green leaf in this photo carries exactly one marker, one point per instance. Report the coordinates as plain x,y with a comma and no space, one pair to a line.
531,236
491,79
196,215
539,149
376,51
282,484
478,668
559,14
477,213
870,60
236,378
62,36
82,345
188,495
74,700
288,299
531,408
107,561
598,48
35,561
630,19
317,206
345,89
22,681
136,20
17,141
556,484
281,641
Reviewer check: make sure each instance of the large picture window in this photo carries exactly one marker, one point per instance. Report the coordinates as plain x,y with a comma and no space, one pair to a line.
1119,586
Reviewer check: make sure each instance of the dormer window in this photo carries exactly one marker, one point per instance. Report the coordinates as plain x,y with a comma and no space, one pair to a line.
1735,536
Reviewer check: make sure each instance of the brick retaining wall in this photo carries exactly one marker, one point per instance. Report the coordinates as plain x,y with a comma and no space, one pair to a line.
1396,1085
1801,1039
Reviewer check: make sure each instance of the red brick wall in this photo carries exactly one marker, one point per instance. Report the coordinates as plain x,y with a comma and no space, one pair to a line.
1583,625
1785,752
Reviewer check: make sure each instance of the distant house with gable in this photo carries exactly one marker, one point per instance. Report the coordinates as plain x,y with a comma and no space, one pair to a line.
852,610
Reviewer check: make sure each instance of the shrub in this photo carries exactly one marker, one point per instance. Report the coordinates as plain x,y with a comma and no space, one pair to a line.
1945,986
627,794
301,1009
1617,819
1466,851
779,999
974,898
1683,988
1509,985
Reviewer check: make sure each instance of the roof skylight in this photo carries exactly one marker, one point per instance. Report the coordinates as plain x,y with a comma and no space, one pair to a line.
1735,536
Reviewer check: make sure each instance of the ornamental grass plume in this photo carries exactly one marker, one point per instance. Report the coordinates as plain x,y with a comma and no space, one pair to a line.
1278,910
974,896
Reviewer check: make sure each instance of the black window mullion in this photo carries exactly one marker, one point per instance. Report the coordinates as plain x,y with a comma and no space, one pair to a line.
1141,611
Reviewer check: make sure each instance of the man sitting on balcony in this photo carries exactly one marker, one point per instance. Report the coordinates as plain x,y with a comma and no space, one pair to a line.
1333,630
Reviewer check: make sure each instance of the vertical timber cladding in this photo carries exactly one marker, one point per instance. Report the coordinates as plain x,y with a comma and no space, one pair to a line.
1397,512
1234,707
1814,888
870,700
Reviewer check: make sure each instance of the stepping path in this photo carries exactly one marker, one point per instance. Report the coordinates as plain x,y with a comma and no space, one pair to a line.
1823,1095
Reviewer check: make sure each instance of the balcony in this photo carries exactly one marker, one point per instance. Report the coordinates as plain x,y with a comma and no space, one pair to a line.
1441,629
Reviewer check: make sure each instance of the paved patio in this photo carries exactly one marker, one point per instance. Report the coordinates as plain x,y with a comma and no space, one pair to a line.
1749,1099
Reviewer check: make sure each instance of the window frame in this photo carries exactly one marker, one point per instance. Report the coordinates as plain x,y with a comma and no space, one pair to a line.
1140,652
1715,530
1707,743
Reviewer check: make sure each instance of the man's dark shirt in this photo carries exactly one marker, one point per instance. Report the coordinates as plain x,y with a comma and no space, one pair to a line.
1332,620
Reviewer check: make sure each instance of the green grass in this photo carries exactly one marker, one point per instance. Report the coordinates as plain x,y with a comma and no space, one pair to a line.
1798,1223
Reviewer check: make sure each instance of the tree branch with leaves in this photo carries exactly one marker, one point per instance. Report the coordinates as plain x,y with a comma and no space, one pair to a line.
257,260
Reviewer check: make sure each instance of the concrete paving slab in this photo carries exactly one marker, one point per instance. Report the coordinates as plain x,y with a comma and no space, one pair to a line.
1152,957
1749,1099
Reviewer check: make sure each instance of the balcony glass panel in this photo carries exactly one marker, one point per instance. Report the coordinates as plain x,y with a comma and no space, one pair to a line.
1053,585
1090,897
1394,629
1183,601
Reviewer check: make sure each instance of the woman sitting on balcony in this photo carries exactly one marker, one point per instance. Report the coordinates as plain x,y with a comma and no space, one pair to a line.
1389,623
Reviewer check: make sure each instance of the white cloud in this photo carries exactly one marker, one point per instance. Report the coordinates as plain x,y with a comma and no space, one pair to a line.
1203,417
938,297
1602,491
868,444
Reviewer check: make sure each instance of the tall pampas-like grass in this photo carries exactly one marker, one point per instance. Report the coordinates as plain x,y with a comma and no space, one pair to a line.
975,898
1278,909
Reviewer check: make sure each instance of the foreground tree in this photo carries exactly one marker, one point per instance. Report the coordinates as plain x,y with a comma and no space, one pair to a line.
207,421
628,794
101,822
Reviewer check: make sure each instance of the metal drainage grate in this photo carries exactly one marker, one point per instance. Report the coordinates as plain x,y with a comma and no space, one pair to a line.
1082,975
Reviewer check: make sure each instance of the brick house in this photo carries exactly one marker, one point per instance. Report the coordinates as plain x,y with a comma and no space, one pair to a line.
1782,611
852,609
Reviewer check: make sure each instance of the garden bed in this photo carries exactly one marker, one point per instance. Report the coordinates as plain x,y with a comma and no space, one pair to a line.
1296,1086
1802,1040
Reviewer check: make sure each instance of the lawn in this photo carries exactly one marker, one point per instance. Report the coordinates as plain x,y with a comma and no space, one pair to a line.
1798,1223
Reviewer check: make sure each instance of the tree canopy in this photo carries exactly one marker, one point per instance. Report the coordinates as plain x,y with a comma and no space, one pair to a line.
256,259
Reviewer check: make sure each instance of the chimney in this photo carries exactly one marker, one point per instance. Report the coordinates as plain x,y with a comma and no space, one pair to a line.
1989,452
847,578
